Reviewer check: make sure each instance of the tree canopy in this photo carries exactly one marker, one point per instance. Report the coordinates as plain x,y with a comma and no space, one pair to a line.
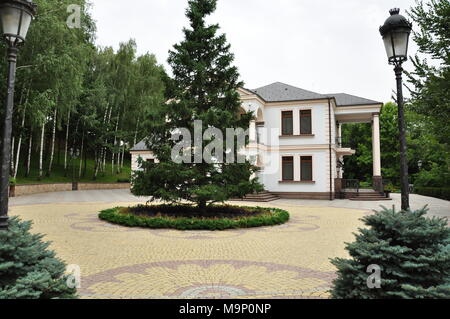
76,99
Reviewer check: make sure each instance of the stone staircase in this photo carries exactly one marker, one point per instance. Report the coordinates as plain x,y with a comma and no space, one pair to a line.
369,196
262,197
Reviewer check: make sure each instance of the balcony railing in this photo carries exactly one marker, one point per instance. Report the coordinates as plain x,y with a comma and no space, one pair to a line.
343,142
351,184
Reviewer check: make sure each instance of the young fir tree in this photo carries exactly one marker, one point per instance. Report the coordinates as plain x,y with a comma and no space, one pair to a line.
412,251
28,270
204,88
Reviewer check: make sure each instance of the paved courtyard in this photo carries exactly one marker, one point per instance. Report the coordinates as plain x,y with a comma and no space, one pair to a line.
286,261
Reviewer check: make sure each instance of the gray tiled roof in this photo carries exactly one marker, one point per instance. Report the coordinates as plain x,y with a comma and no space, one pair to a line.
343,99
141,146
280,92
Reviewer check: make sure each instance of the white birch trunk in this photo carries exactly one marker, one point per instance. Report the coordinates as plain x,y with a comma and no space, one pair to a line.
52,152
41,151
12,155
29,154
19,144
67,141
114,145
81,157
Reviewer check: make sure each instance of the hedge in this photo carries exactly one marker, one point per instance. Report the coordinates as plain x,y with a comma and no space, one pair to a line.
122,216
438,192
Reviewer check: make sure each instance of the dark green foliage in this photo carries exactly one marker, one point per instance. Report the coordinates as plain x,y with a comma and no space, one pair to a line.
28,270
204,88
413,252
248,217
431,76
423,146
438,192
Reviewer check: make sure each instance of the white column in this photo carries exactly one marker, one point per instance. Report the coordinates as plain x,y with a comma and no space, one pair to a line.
252,131
339,137
376,150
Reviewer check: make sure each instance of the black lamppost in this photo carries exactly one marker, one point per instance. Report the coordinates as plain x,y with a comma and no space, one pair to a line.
395,33
15,16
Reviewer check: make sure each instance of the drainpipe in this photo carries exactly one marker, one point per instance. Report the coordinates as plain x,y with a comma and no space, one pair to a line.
329,148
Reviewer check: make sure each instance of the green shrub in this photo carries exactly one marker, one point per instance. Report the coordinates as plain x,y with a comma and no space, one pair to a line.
438,192
28,270
365,184
412,251
256,217
391,188
123,180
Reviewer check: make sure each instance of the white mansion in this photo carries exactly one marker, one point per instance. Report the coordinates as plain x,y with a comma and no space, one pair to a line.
295,138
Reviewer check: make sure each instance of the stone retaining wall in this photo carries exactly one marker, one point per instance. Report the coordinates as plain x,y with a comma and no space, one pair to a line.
29,189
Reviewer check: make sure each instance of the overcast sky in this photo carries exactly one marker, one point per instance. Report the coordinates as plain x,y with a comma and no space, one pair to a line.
326,46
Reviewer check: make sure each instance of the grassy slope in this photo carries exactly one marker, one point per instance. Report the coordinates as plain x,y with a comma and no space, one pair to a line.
58,173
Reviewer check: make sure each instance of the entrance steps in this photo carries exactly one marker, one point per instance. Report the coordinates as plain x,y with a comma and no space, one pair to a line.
262,197
369,196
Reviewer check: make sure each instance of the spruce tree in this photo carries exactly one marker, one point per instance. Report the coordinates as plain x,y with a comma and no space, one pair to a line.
412,251
28,269
204,88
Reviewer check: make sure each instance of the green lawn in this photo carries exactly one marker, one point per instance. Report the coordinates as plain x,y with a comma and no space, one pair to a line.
58,173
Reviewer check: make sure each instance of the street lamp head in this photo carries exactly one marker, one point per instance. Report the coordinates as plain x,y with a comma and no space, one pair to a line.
395,33
16,17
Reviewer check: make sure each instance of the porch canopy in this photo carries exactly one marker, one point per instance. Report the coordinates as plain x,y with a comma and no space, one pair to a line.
352,109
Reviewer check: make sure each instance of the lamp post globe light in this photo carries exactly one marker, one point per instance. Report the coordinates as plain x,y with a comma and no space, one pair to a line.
395,33
16,17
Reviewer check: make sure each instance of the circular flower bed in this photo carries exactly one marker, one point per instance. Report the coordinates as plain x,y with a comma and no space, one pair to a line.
184,217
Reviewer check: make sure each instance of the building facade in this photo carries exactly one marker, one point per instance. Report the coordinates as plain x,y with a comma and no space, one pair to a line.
295,139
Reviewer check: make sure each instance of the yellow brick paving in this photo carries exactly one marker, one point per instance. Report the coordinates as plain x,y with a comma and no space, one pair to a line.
286,261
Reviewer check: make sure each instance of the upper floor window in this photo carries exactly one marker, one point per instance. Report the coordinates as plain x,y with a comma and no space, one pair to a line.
288,168
305,122
287,124
306,168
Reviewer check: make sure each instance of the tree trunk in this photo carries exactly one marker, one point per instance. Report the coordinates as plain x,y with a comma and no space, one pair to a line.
67,143
12,155
41,152
106,141
136,131
19,144
114,145
52,152
123,155
85,163
81,156
97,162
30,143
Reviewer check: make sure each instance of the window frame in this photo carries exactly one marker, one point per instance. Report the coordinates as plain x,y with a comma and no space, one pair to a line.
310,119
311,160
283,113
283,161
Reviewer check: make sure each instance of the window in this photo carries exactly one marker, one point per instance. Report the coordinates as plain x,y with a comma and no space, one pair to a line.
306,168
151,160
288,168
305,122
287,125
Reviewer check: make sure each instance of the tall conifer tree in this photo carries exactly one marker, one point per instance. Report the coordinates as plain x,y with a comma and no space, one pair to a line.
205,87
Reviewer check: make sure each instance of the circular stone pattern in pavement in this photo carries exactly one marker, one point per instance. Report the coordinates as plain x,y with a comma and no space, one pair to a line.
285,261
207,279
